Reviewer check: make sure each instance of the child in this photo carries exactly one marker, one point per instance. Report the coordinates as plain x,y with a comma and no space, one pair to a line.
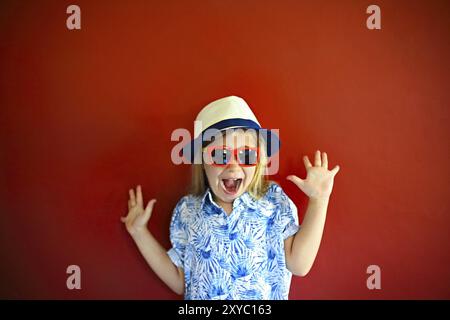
236,236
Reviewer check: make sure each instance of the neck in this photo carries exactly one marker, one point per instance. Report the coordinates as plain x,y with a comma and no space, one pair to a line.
227,206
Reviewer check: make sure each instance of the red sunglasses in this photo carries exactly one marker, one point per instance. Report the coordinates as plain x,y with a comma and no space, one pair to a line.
220,156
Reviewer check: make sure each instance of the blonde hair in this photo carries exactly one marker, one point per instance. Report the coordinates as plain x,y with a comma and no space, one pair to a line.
257,187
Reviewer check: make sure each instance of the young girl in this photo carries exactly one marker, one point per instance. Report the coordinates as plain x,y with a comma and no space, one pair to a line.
236,236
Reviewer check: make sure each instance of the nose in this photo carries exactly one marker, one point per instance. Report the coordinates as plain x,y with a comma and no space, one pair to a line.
233,161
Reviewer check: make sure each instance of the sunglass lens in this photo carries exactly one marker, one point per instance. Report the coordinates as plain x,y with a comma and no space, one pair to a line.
248,157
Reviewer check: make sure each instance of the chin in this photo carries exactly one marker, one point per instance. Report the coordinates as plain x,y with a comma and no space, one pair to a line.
225,197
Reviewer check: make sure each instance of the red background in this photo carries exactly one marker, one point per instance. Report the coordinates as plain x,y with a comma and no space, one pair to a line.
87,114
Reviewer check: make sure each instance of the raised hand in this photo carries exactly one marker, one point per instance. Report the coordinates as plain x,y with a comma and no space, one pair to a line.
137,218
319,180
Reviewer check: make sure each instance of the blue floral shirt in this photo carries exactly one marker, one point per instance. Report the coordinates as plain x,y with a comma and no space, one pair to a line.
236,256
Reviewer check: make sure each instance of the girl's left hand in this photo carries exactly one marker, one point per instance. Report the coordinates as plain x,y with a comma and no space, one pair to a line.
319,180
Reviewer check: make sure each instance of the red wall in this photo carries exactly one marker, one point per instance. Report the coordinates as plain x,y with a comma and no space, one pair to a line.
87,114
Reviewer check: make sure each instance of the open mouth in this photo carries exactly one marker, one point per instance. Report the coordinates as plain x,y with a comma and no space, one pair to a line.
231,186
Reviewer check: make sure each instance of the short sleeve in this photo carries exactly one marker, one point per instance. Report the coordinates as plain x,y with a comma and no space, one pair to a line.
288,215
178,234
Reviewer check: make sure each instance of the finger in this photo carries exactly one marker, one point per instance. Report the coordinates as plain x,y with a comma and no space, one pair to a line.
149,209
324,160
123,219
129,204
317,160
132,197
139,200
335,170
296,180
307,162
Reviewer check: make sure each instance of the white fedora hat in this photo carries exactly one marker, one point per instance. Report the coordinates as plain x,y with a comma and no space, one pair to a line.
226,113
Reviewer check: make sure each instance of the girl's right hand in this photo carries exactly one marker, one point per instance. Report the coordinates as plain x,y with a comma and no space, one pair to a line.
137,218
